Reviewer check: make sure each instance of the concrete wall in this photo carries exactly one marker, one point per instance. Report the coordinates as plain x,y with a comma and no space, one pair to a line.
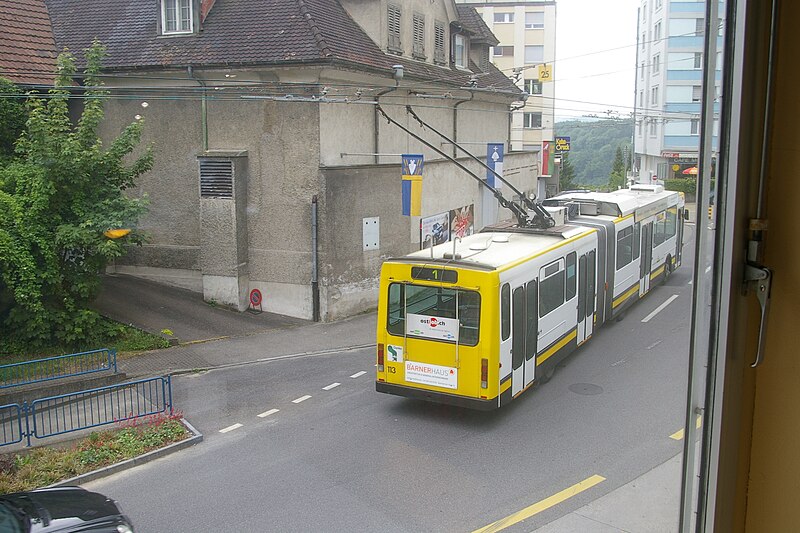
350,273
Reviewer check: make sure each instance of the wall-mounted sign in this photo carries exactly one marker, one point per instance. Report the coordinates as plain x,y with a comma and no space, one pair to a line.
412,184
562,144
494,160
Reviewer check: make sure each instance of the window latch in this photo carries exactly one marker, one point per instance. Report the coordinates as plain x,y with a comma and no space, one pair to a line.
761,278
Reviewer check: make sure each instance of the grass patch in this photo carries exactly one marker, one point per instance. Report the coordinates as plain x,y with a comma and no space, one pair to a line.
44,466
122,337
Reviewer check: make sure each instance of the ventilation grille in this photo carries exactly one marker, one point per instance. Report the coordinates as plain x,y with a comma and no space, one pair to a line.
216,178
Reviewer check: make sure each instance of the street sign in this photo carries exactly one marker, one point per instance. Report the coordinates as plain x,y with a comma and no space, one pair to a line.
545,73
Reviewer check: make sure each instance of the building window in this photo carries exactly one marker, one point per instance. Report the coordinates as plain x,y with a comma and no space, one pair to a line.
698,59
641,98
176,16
460,50
500,51
643,42
658,4
642,76
699,27
644,11
697,93
656,64
395,43
657,31
534,54
438,42
533,87
532,120
653,128
534,20
694,126
501,18
418,50
654,96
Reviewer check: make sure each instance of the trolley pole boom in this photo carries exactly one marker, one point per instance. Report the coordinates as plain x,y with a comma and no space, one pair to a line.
544,218
522,217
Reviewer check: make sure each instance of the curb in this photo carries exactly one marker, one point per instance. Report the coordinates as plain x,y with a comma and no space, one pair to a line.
196,438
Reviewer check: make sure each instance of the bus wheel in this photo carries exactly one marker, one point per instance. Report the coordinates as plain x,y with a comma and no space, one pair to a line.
548,374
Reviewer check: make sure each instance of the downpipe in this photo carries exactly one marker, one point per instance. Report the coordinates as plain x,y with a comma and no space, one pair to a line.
314,262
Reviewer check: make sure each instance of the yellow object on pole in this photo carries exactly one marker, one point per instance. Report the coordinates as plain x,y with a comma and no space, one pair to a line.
116,233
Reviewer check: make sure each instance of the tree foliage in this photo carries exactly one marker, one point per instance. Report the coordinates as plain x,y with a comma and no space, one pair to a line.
566,177
12,117
58,196
593,145
617,177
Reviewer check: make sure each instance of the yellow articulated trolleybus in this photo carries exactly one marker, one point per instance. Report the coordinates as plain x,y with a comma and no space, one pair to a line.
477,321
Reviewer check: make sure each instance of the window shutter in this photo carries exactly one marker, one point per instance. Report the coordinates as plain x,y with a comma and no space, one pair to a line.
216,178
394,28
419,35
438,43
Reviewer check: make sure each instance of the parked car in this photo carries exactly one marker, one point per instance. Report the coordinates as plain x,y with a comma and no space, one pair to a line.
64,510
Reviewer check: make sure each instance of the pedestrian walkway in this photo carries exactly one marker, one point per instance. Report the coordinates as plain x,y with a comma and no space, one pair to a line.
201,328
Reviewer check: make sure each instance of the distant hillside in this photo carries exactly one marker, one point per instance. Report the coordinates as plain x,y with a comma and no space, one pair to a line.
592,146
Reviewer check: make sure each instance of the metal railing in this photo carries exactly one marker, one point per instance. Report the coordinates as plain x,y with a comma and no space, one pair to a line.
86,409
58,367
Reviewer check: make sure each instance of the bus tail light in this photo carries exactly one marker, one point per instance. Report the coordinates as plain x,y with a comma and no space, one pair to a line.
484,373
380,357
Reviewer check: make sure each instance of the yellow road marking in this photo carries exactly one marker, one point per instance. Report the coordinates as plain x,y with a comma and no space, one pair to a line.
543,505
678,435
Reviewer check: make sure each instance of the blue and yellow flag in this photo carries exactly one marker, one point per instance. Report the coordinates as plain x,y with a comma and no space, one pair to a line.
412,184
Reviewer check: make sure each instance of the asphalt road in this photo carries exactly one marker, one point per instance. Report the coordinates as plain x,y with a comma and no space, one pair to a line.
349,459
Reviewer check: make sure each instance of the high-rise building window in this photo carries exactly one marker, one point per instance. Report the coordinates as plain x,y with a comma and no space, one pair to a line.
534,54
500,18
533,86
534,20
532,120
656,64
654,96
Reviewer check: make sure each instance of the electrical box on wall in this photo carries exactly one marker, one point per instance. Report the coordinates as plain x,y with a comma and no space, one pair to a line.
372,233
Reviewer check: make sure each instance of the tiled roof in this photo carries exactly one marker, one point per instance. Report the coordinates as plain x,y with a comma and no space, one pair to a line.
237,32
27,48
475,24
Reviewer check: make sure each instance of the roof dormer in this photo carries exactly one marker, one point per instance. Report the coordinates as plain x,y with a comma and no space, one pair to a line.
182,17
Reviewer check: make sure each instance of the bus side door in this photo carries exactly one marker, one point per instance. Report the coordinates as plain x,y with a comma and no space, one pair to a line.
646,259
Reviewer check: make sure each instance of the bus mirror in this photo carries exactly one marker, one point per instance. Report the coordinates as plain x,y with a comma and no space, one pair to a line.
686,214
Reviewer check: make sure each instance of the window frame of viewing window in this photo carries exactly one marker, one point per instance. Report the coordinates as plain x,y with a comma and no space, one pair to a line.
180,30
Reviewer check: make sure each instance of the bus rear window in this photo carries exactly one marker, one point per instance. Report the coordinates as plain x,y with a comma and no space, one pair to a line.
437,302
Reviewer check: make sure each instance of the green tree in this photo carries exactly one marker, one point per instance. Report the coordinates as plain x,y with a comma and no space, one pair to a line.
566,178
12,117
57,198
617,177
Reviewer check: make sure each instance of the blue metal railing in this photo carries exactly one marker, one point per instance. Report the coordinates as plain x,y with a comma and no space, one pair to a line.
62,366
86,409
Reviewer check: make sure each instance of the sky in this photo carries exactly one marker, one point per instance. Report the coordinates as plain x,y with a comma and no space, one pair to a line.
595,57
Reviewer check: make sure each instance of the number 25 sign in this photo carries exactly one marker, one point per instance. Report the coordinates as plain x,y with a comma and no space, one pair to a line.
545,72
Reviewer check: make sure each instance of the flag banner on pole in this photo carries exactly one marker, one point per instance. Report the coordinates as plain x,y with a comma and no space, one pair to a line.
545,168
412,184
494,160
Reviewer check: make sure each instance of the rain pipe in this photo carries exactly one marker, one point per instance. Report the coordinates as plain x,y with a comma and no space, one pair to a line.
203,107
314,261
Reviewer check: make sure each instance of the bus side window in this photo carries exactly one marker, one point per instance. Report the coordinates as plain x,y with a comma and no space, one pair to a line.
624,247
505,311
571,285
637,228
395,317
551,287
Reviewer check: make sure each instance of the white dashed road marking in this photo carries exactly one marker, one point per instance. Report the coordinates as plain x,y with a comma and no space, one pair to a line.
659,308
358,374
301,399
331,386
267,413
230,428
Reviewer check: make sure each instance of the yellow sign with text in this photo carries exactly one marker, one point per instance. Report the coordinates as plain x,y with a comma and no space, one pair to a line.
545,73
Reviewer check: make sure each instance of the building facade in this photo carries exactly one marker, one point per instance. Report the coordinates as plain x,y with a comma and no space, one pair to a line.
526,31
669,74
275,167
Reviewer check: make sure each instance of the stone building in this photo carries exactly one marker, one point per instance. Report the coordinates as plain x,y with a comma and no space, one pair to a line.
259,110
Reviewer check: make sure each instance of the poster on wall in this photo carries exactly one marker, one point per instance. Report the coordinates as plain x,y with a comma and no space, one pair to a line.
434,230
462,221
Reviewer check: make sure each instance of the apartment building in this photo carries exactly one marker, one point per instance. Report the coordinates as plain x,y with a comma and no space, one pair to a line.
527,34
669,88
